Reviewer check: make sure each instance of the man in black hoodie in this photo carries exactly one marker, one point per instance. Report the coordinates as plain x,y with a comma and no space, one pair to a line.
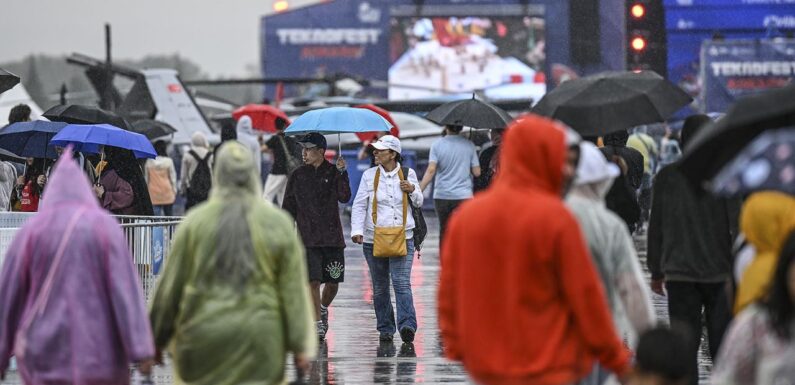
689,251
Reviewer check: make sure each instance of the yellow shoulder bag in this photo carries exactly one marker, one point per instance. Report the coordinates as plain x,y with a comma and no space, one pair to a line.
389,241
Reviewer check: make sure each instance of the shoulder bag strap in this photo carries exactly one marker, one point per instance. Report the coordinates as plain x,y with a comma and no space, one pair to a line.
375,196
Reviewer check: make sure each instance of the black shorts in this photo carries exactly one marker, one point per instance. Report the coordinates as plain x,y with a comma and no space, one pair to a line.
326,264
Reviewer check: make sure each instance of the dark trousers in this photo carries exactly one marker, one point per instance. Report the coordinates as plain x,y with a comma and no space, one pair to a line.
685,302
444,209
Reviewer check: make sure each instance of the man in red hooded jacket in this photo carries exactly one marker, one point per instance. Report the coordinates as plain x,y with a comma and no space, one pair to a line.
520,301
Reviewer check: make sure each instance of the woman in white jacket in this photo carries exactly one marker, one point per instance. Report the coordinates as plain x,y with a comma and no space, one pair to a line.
389,214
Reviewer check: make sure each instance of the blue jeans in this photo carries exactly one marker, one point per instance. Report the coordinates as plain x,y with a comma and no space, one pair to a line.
164,210
400,271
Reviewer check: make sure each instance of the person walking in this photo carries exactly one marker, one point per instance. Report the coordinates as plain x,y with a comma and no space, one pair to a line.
286,153
489,159
646,146
232,300
314,192
611,245
161,179
520,301
623,196
196,179
381,223
71,307
767,218
122,188
759,347
453,162
689,244
249,138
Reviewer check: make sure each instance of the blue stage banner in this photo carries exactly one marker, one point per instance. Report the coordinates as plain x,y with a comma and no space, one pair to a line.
734,69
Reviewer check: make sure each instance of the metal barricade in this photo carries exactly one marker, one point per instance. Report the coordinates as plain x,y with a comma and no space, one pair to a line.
149,240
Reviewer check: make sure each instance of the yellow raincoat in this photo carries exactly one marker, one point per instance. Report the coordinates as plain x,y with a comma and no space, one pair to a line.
766,220
233,299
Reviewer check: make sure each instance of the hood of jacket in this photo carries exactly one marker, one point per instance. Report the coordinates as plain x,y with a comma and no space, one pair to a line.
533,154
235,174
198,140
63,188
245,125
767,218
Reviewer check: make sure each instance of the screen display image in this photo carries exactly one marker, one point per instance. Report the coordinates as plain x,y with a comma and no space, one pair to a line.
504,57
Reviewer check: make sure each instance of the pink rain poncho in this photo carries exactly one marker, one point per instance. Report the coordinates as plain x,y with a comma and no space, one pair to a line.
71,307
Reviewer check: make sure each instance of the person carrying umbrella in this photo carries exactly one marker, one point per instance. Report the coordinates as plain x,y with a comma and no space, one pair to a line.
71,306
314,192
233,299
122,188
453,162
489,160
689,243
30,185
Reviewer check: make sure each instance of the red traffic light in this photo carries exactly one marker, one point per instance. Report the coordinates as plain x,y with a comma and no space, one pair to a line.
638,43
638,11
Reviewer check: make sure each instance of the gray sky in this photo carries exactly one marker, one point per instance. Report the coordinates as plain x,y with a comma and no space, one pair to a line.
222,36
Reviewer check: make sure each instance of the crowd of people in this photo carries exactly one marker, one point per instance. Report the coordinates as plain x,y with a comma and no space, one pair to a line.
540,279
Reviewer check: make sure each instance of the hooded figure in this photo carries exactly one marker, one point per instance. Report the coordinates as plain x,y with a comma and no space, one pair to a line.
71,307
201,147
121,164
233,298
247,136
611,245
520,301
767,218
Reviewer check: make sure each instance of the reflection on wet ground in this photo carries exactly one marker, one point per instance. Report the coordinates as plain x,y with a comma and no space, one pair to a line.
352,353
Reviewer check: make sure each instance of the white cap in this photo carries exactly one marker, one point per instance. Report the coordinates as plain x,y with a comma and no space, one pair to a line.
593,166
388,142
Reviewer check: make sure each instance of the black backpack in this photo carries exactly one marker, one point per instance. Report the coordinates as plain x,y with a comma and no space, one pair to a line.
420,227
201,180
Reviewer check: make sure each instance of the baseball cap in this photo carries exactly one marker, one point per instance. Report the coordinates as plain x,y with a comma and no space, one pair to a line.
388,142
313,140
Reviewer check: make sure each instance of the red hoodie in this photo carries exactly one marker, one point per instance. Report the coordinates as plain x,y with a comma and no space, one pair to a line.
519,300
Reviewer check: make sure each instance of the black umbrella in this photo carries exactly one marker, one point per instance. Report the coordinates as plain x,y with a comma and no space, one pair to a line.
767,163
153,129
80,114
7,80
612,101
717,144
471,113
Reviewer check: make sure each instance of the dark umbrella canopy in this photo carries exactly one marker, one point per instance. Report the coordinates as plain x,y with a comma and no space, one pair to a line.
31,139
80,114
613,101
767,163
717,144
471,113
7,80
153,129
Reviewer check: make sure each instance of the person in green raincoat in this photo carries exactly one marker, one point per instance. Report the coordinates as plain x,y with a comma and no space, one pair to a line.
233,298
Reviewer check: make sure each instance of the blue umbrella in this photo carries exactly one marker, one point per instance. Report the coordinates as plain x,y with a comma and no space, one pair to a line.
31,139
88,138
338,120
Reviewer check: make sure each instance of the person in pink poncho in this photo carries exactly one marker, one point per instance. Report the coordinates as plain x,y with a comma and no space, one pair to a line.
71,308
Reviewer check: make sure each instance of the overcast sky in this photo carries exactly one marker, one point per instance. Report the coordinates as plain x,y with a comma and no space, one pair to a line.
222,36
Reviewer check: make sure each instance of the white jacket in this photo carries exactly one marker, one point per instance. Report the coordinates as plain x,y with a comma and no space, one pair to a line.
390,203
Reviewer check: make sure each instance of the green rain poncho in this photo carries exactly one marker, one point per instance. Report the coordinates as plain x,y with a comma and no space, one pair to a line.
233,299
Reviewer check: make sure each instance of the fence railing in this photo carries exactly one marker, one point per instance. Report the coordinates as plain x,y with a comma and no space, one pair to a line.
149,240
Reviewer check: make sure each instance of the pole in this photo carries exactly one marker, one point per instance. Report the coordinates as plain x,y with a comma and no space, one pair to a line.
108,97
63,94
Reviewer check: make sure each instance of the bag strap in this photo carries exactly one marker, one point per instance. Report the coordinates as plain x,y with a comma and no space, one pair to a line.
375,197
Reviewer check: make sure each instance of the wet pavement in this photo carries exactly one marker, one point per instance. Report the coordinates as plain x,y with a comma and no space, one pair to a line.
352,353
